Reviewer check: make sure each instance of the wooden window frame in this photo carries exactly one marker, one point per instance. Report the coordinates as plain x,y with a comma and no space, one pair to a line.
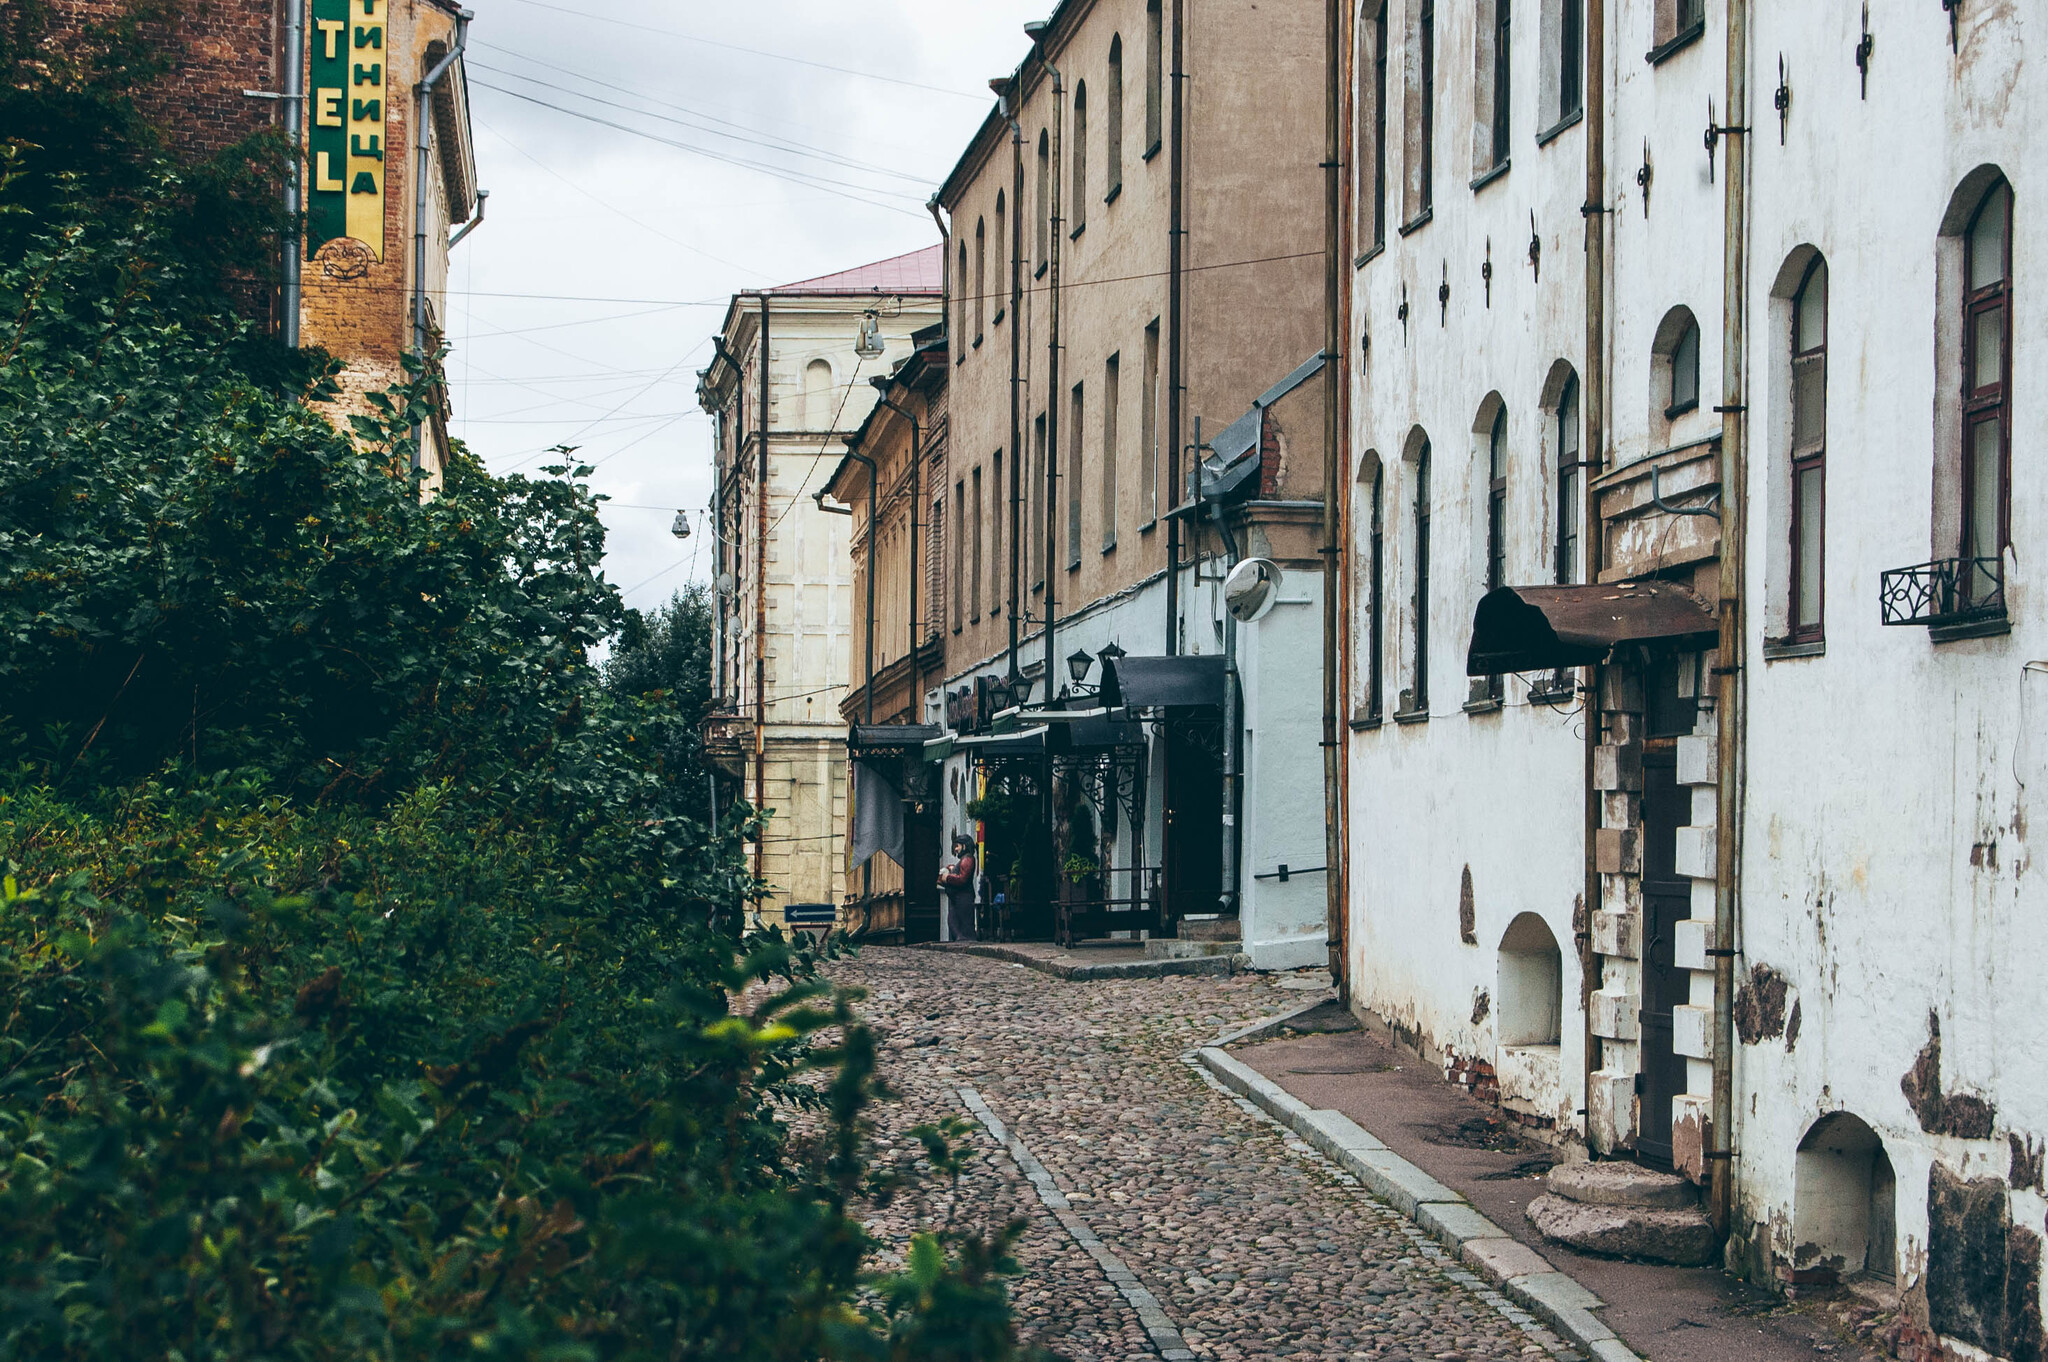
1418,694
1375,686
1991,403
1113,122
1112,389
1155,77
1811,458
1570,482
1079,152
1502,83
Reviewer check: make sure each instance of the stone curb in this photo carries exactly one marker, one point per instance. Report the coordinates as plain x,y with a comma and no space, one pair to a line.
1517,1270
1122,969
1259,1030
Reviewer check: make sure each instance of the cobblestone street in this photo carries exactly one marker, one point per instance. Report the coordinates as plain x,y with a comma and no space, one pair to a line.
1168,1218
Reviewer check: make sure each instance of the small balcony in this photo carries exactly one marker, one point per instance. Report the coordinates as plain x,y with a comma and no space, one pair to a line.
1946,594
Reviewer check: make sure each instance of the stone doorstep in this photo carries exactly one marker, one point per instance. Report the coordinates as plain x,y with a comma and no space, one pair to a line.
1084,973
1517,1270
1615,1182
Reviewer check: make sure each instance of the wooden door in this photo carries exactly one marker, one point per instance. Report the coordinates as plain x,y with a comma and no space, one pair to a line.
922,900
1667,899
1194,820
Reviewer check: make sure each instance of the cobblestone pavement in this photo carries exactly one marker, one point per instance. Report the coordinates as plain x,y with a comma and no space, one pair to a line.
1254,1245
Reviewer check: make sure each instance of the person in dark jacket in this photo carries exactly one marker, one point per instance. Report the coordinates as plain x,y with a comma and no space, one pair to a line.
957,880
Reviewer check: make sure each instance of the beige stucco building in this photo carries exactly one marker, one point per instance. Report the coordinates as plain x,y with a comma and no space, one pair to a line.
1136,251
788,386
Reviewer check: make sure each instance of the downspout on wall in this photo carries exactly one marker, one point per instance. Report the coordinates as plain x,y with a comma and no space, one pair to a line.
1335,459
1016,372
1593,461
422,132
1052,379
1176,234
761,605
295,140
1728,720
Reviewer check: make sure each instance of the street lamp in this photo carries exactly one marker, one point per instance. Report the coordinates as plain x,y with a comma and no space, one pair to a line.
1078,665
869,346
1111,654
681,527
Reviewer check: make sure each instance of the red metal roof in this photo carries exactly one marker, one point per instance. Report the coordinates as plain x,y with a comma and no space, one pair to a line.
918,272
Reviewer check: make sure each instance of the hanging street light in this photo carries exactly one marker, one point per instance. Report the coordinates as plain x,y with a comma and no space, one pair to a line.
681,528
869,346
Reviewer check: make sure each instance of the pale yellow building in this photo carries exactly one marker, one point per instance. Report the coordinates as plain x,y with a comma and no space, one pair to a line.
788,385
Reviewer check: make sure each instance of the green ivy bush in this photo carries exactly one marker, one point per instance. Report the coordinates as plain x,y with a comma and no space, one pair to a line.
373,984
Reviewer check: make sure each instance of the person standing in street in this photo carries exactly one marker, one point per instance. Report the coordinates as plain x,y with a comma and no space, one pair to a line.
957,880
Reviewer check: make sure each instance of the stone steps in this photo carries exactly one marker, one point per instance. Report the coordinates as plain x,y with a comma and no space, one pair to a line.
1623,1210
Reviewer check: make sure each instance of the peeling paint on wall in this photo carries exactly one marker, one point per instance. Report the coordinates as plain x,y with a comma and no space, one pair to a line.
1760,1005
1482,1004
1983,1271
2027,1161
1468,912
1963,1115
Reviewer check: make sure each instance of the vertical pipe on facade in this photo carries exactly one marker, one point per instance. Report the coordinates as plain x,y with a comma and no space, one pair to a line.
1594,215
422,135
1335,373
1728,671
1175,376
295,137
761,601
1016,365
1052,381
916,462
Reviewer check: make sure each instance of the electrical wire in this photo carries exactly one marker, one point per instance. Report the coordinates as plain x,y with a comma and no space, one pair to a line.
758,52
793,176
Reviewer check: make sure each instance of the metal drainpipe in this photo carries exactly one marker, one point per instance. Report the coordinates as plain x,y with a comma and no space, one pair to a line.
295,140
423,138
1052,384
1233,709
1016,371
1175,374
761,604
1594,216
1335,458
1728,671
916,492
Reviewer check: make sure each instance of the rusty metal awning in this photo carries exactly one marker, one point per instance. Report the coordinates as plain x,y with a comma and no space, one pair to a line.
1537,628
1169,682
874,739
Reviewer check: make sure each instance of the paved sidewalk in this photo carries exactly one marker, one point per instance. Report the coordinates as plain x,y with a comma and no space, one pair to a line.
1667,1314
1165,1218
1122,960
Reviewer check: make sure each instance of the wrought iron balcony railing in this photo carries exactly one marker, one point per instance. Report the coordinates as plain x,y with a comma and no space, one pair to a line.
1945,591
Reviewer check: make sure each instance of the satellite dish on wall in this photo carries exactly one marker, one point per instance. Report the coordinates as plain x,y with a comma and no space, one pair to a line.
1251,588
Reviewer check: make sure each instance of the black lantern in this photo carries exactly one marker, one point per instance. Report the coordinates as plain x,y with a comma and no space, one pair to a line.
1111,654
1078,665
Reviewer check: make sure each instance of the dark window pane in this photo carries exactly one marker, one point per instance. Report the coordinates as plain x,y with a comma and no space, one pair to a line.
1987,348
1808,491
1809,402
1987,238
1982,539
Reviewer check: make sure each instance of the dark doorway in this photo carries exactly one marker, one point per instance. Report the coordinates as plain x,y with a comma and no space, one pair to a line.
1194,816
1667,899
921,854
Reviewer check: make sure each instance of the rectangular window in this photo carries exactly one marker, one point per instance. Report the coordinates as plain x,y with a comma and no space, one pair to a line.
1155,75
1426,38
1496,519
1074,480
1809,453
974,550
1113,121
1148,426
1502,84
980,277
1378,145
1044,220
1038,551
1571,58
959,543
1111,378
1078,153
996,522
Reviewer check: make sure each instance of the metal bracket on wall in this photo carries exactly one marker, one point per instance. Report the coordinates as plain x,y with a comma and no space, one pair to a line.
1864,47
1535,249
1402,312
1782,100
1715,132
1443,296
1954,8
1644,175
1657,500
1486,272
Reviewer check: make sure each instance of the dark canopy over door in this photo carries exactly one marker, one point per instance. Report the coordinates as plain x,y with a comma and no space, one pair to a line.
1542,628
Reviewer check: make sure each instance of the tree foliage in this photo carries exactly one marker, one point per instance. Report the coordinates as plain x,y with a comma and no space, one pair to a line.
373,985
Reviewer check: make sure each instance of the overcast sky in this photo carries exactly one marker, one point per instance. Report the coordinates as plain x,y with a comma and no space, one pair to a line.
846,117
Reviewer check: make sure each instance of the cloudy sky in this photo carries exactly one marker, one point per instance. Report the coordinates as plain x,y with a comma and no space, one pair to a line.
647,158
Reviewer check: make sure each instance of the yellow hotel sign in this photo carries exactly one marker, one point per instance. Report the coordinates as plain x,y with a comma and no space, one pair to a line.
350,74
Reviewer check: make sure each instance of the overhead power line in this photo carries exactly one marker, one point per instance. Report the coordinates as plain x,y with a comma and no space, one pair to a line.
978,96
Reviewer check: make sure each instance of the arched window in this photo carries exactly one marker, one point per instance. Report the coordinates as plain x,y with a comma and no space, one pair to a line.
960,291
1844,1201
980,276
817,394
1674,369
1079,153
1044,252
1421,141
1371,134
1568,482
1490,86
1375,693
1530,984
1497,500
1002,239
1155,76
1809,342
1113,121
1417,695
1987,381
